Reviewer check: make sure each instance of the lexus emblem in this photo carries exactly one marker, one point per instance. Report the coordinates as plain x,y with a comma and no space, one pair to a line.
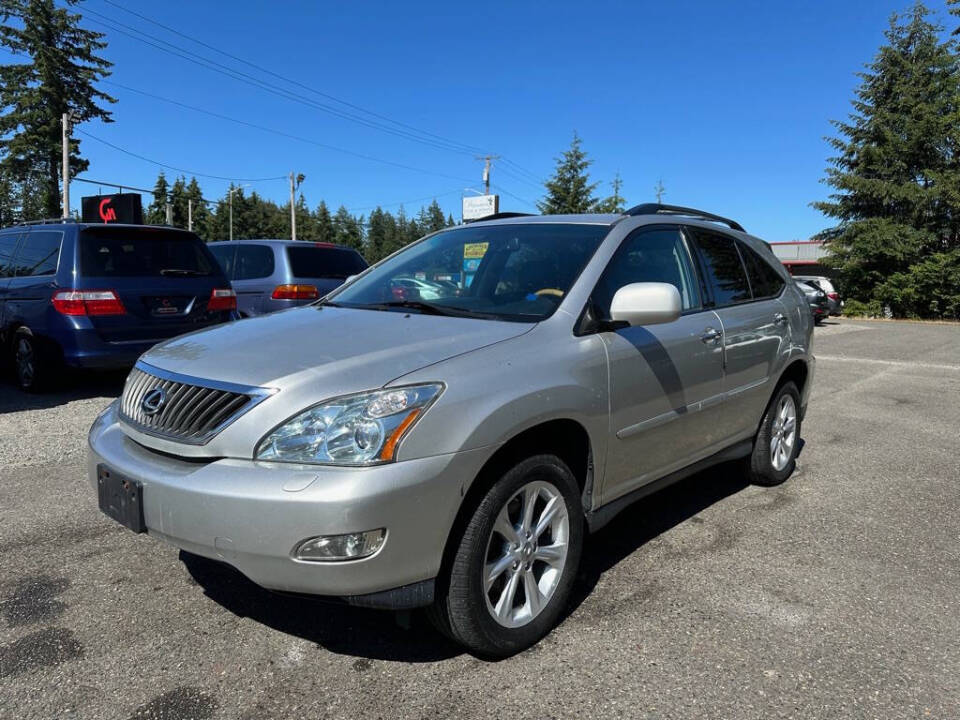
153,401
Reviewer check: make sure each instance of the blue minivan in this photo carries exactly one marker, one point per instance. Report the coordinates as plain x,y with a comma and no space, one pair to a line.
98,296
270,275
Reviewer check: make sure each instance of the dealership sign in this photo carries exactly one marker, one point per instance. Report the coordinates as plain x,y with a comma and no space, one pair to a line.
480,206
121,208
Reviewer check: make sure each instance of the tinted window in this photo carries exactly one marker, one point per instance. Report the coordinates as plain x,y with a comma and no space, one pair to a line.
8,243
724,269
649,256
38,253
311,261
511,272
764,280
225,255
253,261
147,252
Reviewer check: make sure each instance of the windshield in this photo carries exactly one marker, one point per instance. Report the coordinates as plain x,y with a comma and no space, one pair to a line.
505,272
142,252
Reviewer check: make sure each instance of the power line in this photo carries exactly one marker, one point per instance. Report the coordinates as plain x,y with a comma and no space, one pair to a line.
172,167
282,133
467,148
240,76
434,196
515,197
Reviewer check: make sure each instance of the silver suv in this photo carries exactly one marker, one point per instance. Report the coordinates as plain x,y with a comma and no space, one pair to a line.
453,452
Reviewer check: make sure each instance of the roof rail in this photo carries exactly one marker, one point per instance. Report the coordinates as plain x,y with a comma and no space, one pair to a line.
501,216
657,209
46,221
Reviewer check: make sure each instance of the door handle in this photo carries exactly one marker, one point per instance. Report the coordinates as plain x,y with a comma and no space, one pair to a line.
780,319
711,335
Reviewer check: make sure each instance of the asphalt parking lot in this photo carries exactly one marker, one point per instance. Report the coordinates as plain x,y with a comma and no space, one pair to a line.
836,595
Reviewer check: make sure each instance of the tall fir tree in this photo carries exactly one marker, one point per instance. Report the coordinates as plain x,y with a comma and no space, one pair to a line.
348,230
200,211
570,189
157,209
324,223
615,202
896,174
60,77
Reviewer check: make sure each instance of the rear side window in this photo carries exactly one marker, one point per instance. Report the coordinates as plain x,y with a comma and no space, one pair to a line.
764,280
130,252
8,244
253,261
724,269
38,253
311,261
225,255
657,255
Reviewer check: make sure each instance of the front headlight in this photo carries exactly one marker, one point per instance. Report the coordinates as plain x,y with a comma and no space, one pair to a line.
362,429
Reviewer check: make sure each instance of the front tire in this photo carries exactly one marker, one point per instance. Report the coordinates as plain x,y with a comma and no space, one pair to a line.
777,444
514,565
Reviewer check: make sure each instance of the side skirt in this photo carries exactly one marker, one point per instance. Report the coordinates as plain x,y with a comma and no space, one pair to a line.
596,519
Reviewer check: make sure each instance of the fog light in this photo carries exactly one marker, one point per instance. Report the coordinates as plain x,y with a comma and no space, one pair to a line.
332,548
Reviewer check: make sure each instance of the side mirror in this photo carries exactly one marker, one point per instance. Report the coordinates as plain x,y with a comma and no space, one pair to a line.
646,303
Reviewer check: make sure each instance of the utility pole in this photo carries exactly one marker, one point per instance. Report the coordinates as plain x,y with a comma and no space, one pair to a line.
295,181
487,165
169,212
65,121
190,214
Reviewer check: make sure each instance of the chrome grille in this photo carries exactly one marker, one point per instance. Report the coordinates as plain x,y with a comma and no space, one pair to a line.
193,410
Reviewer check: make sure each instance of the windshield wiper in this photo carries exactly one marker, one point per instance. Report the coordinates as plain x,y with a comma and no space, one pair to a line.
426,308
183,272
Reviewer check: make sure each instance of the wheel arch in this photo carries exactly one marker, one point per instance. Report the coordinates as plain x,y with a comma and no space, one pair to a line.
566,438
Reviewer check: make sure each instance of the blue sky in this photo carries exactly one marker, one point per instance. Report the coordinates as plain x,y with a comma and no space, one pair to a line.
728,103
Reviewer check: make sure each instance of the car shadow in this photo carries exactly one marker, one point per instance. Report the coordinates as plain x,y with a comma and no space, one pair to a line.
649,518
409,637
74,385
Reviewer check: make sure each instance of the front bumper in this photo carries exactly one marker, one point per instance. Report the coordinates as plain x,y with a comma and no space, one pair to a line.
252,514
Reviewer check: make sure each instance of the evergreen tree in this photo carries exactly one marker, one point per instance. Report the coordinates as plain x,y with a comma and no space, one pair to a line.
450,220
376,235
433,219
324,223
615,203
201,213
157,209
59,78
570,189
178,201
896,175
348,230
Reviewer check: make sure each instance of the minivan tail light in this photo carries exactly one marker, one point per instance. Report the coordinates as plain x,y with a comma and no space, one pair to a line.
295,292
88,302
222,299
833,296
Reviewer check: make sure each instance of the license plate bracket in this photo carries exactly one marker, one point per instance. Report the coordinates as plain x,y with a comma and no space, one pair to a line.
120,498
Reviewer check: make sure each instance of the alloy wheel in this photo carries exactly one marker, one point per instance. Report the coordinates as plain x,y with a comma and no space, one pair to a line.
526,554
26,362
783,434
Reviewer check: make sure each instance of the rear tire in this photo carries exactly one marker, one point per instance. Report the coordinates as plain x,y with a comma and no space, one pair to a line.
32,363
512,568
775,449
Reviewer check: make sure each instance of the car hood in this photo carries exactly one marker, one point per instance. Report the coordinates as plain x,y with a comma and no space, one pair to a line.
325,349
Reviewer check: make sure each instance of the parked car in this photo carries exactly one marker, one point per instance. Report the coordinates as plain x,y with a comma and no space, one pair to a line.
416,289
833,297
816,299
98,296
270,275
453,453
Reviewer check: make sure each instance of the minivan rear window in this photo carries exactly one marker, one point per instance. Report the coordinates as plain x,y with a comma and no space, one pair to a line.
146,252
312,261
